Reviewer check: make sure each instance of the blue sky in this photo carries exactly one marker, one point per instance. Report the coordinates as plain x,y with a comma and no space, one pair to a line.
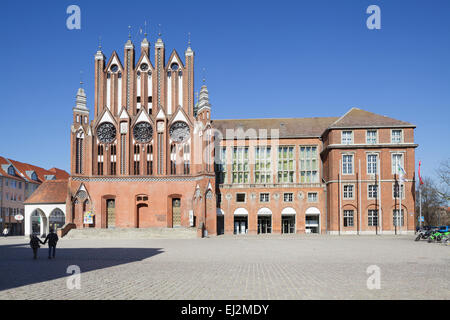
262,59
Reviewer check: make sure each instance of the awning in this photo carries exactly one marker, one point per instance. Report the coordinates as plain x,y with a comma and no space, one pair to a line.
241,212
312,210
288,211
264,212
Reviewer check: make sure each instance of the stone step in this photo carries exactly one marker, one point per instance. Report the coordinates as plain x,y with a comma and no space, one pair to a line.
133,233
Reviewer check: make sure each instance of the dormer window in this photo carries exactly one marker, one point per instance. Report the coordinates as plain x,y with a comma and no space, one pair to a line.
34,176
11,171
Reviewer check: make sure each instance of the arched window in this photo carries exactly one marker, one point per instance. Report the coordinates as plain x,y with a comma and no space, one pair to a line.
79,153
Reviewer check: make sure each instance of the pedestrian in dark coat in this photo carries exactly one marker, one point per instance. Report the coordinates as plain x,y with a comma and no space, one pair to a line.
52,239
34,244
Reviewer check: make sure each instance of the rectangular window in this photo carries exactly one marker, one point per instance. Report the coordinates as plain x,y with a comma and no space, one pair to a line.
288,197
395,188
263,172
347,164
371,136
173,159
372,216
240,165
113,160
312,196
186,159
137,158
240,197
348,218
149,159
221,165
372,190
348,191
371,164
308,164
396,136
286,164
264,197
347,137
397,159
398,219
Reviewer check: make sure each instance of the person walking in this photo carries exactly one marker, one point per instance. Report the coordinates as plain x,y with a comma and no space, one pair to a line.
34,244
5,232
52,239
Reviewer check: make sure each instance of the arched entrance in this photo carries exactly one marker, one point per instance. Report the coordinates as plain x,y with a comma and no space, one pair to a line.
312,220
288,220
57,219
39,223
264,220
240,221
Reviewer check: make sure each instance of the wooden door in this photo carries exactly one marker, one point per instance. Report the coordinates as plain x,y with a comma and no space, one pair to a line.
176,212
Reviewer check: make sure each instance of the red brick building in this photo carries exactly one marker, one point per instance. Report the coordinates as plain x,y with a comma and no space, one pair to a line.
151,157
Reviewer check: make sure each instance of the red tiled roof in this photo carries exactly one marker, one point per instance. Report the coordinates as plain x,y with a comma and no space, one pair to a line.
50,191
22,168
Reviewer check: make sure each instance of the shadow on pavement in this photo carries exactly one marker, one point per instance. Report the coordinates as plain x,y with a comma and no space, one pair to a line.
18,268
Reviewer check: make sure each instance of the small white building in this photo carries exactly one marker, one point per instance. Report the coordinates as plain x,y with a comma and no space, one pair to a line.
46,208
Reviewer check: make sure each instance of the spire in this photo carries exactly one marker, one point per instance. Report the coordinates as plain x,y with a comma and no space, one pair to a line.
189,51
159,42
81,101
129,44
203,98
99,54
145,45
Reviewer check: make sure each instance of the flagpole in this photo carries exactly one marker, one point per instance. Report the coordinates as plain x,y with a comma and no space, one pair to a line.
400,212
379,215
420,206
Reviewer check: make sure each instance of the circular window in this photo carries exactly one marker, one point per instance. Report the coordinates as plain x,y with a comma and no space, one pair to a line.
174,66
179,131
114,68
144,67
143,132
106,132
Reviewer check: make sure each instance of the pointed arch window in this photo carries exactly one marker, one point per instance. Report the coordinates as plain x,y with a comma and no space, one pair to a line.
173,159
137,151
186,158
79,153
149,159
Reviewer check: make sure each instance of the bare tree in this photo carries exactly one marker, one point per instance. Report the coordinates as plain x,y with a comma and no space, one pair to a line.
444,178
432,203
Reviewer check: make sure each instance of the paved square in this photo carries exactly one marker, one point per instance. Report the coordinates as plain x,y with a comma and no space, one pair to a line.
228,267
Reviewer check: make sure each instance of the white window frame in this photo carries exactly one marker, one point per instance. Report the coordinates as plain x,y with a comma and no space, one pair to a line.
401,186
317,197
308,161
287,194
367,136
392,135
353,191
346,138
266,159
368,168
394,164
288,161
371,218
264,193
395,212
352,163
368,191
347,215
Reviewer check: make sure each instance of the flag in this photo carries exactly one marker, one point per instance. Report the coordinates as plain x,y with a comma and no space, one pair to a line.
420,178
401,172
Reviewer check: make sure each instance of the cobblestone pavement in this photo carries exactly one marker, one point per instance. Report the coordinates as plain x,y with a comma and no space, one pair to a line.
229,267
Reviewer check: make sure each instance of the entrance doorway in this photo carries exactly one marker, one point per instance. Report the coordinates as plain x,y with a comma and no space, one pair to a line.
312,224
176,212
240,225
264,224
111,213
288,224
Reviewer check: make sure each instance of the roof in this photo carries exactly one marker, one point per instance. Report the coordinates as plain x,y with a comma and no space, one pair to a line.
309,127
357,118
24,171
288,127
50,191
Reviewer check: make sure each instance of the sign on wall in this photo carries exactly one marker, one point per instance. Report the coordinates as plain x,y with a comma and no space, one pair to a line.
88,217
